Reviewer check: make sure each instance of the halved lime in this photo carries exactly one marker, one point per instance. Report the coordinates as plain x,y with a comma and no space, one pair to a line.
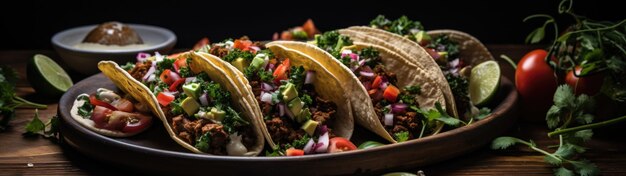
47,77
484,82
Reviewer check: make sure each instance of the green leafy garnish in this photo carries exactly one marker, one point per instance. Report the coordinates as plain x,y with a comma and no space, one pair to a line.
9,101
237,53
297,76
280,150
202,143
36,126
128,66
401,26
86,109
233,120
332,42
415,89
401,136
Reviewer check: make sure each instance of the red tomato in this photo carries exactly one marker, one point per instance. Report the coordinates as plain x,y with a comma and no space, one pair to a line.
377,81
94,101
123,105
169,77
174,85
99,116
536,83
165,98
294,152
204,41
309,28
588,84
180,63
281,71
339,144
286,35
136,122
391,93
243,45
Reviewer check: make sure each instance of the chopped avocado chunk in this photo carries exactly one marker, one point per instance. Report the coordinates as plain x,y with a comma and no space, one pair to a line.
240,64
299,34
192,90
289,92
218,114
190,106
310,126
204,115
305,115
443,57
258,61
295,106
422,37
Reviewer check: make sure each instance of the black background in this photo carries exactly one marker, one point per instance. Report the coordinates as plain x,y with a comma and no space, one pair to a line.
31,24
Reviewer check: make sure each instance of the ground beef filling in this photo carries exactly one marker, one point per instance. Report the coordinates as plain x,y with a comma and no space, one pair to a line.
190,130
140,70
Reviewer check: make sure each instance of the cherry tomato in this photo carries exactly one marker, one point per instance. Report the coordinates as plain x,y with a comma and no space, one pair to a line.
136,122
123,104
588,84
391,93
94,101
169,77
204,41
281,71
99,116
294,152
339,144
309,28
165,98
536,83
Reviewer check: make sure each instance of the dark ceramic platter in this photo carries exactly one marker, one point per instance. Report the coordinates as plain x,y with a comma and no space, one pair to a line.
154,152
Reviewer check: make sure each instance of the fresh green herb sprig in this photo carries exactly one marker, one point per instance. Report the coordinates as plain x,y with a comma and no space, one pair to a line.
9,100
37,127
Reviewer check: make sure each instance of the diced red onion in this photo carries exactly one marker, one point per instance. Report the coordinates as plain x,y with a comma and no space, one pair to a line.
158,56
345,52
354,57
361,62
189,79
255,48
150,72
142,57
308,148
204,100
266,87
367,69
399,108
151,78
281,109
266,97
388,119
367,74
310,77
383,85
174,93
322,143
454,63
322,129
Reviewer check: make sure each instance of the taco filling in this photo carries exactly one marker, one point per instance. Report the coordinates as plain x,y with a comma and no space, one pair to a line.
446,54
295,116
198,109
396,107
111,114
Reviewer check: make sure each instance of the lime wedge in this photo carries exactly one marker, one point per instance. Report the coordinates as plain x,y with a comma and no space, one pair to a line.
484,82
47,77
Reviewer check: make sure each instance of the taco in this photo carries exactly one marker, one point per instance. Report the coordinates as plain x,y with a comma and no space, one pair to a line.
111,114
297,97
454,53
392,96
200,106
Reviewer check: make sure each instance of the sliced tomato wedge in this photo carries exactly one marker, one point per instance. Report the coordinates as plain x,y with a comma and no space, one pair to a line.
99,116
377,81
391,93
169,77
136,122
339,144
201,43
165,98
294,152
180,63
94,101
281,71
175,85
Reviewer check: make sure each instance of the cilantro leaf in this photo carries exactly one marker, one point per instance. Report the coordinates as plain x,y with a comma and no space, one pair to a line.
562,171
585,168
552,159
237,53
482,113
585,135
564,96
202,143
585,119
565,151
552,117
449,121
35,126
401,136
503,142
415,89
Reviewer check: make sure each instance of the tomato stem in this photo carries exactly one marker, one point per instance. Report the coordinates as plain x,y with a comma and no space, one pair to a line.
509,60
588,126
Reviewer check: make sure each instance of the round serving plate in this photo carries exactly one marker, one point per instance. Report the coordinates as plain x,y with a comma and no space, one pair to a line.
153,151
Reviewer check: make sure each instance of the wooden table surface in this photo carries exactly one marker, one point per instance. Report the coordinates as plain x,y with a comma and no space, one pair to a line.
21,155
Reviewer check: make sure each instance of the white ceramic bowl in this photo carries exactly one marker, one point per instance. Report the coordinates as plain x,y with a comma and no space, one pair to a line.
85,61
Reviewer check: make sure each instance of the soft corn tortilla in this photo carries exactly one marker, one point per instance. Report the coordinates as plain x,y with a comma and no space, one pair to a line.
90,124
140,92
407,74
472,51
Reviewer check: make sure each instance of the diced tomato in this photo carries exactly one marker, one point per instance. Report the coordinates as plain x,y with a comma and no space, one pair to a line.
309,28
391,93
99,116
281,71
175,85
243,45
377,81
123,104
94,101
165,98
294,152
136,122
169,77
339,144
180,63
204,41
372,91
286,35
